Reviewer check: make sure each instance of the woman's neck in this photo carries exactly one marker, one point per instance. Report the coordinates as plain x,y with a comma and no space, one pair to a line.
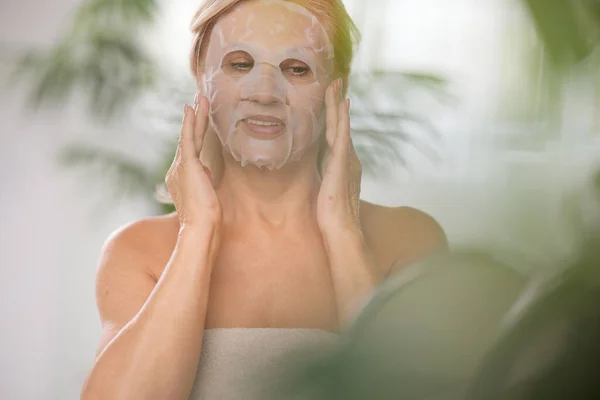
275,199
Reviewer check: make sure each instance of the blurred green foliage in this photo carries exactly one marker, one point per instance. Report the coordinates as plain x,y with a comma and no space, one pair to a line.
463,326
99,56
569,29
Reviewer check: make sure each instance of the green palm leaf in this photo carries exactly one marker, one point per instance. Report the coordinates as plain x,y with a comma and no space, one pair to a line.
127,176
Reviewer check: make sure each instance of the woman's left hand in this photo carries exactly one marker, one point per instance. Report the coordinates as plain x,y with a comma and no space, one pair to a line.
353,268
339,197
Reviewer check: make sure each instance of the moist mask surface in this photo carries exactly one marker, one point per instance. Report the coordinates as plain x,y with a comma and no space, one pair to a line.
267,66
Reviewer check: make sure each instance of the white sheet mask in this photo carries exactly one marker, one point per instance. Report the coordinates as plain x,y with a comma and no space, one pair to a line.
267,67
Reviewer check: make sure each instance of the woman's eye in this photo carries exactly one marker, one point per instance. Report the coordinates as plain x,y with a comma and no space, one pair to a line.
237,63
242,66
298,71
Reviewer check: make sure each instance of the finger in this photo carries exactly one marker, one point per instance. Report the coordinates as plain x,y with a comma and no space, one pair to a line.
196,100
342,140
354,161
186,148
340,91
201,123
338,164
351,149
331,113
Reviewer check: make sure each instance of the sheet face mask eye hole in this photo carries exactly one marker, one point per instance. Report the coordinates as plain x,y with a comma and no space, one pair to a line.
237,64
297,72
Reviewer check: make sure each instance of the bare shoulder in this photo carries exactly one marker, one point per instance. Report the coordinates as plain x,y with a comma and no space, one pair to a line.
150,241
131,261
400,235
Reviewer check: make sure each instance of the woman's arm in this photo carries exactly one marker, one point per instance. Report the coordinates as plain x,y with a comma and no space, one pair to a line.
354,268
151,353
158,329
354,272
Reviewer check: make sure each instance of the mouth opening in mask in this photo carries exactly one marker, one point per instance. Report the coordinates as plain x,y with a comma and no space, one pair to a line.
264,127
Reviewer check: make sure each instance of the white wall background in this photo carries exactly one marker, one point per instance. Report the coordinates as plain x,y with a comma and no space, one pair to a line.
51,231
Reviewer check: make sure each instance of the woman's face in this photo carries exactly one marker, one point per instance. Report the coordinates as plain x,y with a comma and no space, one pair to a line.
267,67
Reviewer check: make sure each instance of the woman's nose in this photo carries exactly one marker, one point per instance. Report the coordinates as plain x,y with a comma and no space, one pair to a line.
267,89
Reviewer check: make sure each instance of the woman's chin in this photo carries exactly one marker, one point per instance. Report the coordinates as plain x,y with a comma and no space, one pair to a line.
270,154
262,158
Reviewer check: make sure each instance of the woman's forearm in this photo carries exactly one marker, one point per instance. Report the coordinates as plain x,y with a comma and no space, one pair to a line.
155,356
354,272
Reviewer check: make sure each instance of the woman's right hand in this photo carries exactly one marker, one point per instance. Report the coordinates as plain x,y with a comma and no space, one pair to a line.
188,181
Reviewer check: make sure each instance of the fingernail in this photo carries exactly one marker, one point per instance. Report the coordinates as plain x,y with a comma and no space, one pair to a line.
197,98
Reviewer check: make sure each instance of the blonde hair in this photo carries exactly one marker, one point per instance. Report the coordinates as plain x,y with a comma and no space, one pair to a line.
338,24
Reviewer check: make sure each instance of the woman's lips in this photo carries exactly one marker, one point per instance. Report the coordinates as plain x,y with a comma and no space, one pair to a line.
263,126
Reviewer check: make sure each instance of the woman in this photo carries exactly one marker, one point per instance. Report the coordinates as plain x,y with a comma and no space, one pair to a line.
263,248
